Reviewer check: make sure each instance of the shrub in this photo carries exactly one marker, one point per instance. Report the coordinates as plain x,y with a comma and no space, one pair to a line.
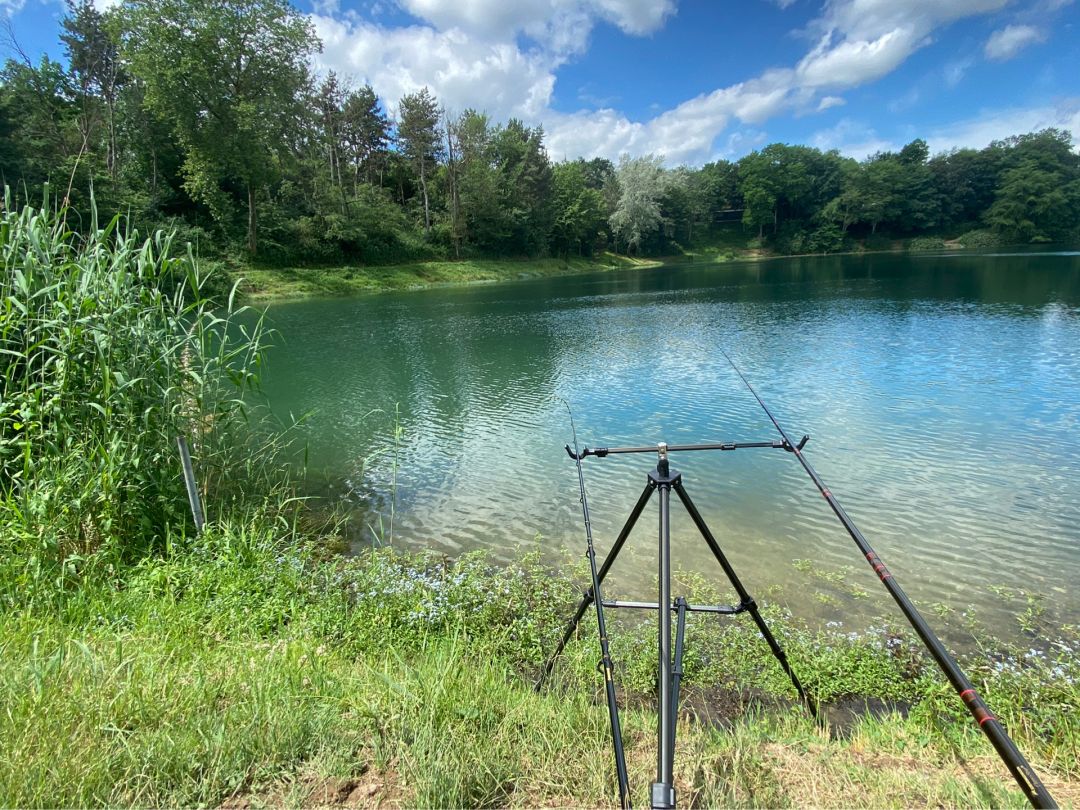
979,239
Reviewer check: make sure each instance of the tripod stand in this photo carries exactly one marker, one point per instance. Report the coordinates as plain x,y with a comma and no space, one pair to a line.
663,479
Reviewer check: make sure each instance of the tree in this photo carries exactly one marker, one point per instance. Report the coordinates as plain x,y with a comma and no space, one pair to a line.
484,222
330,102
1035,205
525,186
95,66
366,134
579,211
420,140
41,121
849,206
918,204
641,183
230,77
1038,195
879,189
758,177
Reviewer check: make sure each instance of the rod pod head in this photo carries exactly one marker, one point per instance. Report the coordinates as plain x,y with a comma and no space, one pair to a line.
662,459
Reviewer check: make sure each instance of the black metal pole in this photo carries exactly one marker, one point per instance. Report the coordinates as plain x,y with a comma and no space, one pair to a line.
605,655
600,452
745,597
663,793
1015,761
587,598
676,672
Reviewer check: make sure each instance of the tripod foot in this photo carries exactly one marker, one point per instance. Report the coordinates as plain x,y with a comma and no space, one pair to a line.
662,796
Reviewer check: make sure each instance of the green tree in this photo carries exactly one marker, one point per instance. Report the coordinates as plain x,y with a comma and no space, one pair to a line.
96,69
1035,205
525,182
848,206
759,181
230,77
420,140
366,135
1038,194
484,223
43,134
579,211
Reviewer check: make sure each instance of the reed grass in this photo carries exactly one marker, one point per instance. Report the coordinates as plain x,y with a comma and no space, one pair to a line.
110,349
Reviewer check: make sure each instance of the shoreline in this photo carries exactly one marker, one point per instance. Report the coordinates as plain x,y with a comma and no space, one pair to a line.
260,285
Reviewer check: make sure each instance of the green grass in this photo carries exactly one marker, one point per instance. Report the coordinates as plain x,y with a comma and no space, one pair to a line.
242,666
263,283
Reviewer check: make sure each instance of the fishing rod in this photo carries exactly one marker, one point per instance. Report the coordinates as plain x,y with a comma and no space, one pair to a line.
606,665
1021,770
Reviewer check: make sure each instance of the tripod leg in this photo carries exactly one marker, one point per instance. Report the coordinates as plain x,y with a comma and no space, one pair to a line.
746,599
587,599
676,672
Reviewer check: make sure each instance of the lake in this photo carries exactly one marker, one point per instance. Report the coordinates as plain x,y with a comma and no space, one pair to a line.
941,394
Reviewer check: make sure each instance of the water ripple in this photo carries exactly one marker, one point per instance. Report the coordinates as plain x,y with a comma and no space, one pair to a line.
940,393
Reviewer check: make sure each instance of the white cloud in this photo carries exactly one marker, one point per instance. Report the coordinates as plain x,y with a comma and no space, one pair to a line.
463,72
1010,40
854,62
955,71
859,141
994,125
470,57
682,134
562,26
868,20
9,8
851,138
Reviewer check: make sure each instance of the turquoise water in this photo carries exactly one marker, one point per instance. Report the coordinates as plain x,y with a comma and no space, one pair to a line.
941,393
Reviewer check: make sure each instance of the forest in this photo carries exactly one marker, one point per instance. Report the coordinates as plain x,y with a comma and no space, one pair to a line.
208,119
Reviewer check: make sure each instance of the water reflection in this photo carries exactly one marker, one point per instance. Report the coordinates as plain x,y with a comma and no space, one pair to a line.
939,391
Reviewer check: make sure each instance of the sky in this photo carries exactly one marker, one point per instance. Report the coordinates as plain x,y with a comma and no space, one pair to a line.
702,80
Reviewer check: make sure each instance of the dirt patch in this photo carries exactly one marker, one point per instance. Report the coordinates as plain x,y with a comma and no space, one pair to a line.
370,789
236,803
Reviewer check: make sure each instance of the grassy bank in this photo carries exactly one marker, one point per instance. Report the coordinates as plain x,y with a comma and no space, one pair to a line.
145,664
242,670
260,283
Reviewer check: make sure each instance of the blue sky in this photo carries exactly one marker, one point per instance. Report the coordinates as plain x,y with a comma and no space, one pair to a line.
696,81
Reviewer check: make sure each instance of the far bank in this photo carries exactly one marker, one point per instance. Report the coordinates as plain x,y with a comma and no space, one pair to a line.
269,283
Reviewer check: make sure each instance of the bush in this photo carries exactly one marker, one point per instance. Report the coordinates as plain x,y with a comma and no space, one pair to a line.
979,239
827,238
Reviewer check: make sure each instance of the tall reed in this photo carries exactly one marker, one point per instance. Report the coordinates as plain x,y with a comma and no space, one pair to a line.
110,347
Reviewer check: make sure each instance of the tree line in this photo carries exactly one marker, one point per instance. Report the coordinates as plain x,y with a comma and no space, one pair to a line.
205,116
